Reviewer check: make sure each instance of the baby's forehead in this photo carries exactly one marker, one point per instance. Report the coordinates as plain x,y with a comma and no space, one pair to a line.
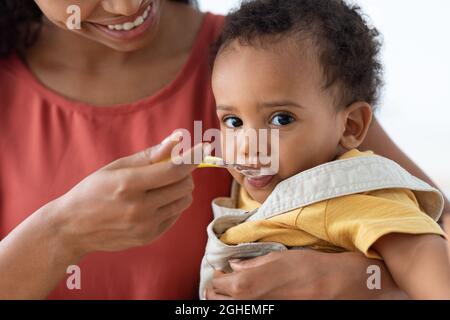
298,45
290,58
248,74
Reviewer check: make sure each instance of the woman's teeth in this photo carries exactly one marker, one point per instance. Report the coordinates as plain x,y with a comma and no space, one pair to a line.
131,25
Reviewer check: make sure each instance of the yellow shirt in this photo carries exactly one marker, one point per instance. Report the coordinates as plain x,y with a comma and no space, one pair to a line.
349,223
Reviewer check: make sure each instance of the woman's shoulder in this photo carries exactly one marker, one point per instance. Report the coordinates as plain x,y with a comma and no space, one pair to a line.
211,24
215,23
10,73
8,66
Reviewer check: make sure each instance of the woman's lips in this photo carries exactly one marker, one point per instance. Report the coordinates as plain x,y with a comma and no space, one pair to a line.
133,33
259,182
124,19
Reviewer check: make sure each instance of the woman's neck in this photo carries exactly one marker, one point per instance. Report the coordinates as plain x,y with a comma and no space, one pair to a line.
89,72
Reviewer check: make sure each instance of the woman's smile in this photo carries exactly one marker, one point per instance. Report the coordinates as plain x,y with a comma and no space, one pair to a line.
131,27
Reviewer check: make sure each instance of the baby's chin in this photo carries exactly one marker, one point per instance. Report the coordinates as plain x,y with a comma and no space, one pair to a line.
259,195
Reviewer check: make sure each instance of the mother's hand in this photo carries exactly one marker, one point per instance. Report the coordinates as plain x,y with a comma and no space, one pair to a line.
302,274
128,203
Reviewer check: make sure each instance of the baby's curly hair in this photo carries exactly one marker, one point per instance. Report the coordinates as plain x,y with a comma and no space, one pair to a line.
347,48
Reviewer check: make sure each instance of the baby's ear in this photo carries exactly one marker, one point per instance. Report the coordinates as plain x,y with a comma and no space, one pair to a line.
357,119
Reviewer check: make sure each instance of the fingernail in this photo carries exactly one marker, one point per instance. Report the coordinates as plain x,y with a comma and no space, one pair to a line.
175,136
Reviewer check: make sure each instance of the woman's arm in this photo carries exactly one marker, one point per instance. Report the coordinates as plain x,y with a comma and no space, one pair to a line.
379,141
34,257
303,274
127,204
419,264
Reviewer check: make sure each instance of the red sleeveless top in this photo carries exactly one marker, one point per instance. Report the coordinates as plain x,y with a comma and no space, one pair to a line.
49,143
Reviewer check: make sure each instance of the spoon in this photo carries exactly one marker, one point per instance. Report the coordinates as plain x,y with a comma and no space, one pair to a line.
215,162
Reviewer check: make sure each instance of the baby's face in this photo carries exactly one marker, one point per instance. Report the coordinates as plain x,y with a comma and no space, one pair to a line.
278,88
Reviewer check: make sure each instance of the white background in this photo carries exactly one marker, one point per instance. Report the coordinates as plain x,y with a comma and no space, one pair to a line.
415,108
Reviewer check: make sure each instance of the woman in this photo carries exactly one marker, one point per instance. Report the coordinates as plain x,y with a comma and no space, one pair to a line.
73,102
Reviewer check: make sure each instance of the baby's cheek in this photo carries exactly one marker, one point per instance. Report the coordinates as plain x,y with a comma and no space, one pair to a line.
291,162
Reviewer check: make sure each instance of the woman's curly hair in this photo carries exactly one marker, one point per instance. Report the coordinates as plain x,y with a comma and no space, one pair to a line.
347,48
19,25
20,22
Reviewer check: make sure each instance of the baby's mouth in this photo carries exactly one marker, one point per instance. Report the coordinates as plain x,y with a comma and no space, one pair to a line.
257,177
254,173
250,172
260,181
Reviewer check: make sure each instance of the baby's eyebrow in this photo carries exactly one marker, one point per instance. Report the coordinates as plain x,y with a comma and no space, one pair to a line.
281,103
225,108
270,104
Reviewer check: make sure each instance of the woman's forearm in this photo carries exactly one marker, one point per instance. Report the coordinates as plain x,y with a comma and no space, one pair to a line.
34,257
304,274
379,141
126,204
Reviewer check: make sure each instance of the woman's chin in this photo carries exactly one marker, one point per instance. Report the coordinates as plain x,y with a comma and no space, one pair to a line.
121,45
130,46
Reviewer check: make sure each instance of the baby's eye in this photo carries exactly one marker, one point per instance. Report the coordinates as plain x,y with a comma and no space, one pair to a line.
282,120
233,122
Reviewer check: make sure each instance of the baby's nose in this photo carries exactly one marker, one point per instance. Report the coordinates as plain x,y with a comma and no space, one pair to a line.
251,150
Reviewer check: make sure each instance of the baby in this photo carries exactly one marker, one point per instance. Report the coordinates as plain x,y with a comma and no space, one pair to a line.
310,69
